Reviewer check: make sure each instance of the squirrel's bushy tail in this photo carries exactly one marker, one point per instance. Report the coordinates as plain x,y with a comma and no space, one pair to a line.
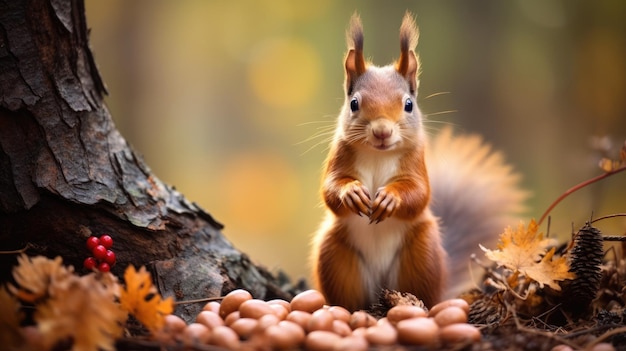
475,194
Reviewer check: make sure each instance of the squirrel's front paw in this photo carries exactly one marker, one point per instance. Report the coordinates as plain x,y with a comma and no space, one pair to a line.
385,204
356,197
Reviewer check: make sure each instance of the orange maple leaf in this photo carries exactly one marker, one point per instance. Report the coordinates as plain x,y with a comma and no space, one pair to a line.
525,251
140,298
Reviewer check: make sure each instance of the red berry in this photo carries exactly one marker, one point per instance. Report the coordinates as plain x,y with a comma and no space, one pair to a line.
89,263
110,257
104,267
106,241
99,252
92,242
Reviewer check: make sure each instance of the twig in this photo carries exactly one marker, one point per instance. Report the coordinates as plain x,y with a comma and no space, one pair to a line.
15,252
515,294
550,335
512,291
578,187
488,271
614,238
605,336
592,330
206,299
546,313
614,215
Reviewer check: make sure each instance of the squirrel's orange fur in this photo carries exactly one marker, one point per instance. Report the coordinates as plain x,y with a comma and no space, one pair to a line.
379,230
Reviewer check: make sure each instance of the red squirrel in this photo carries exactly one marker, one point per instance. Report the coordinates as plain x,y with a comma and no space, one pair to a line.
381,229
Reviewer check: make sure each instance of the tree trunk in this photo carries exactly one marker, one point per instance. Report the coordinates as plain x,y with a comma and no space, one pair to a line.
66,173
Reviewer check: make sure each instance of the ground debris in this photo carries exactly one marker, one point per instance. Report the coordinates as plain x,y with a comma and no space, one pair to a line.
514,313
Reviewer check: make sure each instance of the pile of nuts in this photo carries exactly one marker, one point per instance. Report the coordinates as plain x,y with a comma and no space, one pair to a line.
240,322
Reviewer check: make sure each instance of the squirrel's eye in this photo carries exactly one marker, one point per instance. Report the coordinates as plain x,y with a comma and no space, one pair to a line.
408,105
354,104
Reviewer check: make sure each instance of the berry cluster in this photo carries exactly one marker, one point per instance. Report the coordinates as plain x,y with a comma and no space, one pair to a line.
103,257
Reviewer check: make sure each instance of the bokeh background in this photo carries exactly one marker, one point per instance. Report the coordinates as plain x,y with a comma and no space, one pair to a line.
229,100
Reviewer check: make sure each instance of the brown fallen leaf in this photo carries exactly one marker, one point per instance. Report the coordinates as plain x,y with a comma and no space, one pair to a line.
525,251
38,277
85,311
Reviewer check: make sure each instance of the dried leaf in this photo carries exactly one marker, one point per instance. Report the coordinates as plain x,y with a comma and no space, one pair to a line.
140,298
10,317
606,164
609,165
520,248
524,251
37,277
85,311
550,271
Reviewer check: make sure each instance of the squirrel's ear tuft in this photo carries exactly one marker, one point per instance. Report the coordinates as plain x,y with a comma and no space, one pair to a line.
408,63
355,62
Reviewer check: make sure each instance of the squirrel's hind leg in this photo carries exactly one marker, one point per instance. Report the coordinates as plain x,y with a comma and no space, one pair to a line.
337,272
424,276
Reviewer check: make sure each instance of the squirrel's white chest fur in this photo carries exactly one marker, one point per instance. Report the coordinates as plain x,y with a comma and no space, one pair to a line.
377,244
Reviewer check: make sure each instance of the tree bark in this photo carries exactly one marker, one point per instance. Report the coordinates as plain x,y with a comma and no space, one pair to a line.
66,172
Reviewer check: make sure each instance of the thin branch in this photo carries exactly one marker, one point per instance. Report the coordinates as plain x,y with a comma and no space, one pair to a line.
15,252
614,238
578,187
609,216
548,334
605,336
206,299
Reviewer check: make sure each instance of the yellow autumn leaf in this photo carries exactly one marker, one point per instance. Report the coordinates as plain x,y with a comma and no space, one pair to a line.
85,311
550,271
521,248
611,165
525,251
608,165
140,298
38,277
68,307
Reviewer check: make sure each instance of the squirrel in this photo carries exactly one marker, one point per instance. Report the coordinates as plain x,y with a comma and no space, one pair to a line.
402,213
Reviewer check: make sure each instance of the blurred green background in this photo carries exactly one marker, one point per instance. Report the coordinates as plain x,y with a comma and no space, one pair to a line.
222,98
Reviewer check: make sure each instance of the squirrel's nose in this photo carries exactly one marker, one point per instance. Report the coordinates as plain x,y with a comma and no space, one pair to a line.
382,132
